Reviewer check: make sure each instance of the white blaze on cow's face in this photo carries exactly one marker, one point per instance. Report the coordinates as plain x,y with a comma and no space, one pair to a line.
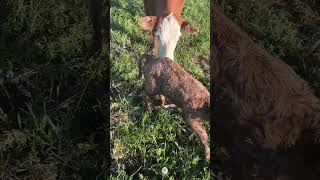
168,34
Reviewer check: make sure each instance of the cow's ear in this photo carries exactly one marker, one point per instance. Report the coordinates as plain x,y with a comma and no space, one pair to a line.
147,23
189,28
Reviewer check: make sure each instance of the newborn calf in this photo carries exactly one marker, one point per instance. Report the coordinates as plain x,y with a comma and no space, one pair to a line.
167,78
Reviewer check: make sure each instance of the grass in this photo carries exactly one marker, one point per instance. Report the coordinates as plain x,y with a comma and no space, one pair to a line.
52,92
53,89
287,29
142,145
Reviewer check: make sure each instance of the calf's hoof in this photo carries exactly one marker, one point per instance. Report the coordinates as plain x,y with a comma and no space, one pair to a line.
167,106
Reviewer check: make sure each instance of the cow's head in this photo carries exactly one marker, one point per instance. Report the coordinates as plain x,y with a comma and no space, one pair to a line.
167,30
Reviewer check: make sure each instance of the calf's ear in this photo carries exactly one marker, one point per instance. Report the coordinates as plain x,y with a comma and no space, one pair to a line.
188,28
147,23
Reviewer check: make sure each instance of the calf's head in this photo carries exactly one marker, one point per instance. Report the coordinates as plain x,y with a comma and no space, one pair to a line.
166,30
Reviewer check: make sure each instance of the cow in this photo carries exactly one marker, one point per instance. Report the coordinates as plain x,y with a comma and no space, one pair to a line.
164,17
265,114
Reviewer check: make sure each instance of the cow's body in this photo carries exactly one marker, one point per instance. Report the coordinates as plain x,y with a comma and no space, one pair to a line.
157,7
268,117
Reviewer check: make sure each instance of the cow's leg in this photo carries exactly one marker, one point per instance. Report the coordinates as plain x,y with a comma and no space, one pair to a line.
197,127
150,90
223,2
146,7
147,102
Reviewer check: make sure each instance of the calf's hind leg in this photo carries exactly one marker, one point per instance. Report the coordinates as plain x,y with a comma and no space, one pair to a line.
197,126
163,105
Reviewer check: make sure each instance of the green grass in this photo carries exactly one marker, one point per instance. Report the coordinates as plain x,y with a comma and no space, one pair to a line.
288,30
142,145
52,92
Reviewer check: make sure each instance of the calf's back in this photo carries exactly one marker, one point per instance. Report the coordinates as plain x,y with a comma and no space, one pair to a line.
163,76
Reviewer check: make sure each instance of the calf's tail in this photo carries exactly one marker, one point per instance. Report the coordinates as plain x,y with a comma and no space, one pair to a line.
148,58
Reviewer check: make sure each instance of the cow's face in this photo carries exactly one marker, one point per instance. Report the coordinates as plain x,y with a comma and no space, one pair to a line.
167,33
167,29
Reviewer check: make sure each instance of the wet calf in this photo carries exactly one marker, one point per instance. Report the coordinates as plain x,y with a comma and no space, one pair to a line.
167,78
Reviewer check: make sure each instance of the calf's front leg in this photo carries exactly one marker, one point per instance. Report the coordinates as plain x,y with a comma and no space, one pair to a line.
147,102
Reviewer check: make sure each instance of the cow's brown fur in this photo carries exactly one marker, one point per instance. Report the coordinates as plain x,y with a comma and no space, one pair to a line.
167,78
267,116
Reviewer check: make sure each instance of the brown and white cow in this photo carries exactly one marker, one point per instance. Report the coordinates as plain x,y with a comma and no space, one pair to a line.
164,21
